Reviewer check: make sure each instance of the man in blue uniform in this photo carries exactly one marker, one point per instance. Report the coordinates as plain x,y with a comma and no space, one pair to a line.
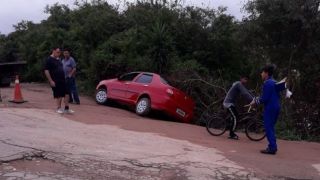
271,100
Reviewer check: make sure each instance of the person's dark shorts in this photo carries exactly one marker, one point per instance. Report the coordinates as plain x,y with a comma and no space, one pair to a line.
60,90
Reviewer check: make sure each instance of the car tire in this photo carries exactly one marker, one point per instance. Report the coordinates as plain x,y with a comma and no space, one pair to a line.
101,96
143,106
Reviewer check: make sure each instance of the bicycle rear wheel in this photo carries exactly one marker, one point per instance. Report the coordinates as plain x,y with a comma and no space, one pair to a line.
216,125
255,130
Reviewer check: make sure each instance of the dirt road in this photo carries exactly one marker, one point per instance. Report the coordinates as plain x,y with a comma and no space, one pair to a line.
161,149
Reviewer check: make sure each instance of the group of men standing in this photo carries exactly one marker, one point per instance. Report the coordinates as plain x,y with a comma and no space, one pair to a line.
60,73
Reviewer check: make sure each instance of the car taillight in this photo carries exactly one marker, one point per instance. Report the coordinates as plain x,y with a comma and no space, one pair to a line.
170,92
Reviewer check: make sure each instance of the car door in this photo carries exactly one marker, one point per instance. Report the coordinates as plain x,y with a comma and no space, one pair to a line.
138,86
119,87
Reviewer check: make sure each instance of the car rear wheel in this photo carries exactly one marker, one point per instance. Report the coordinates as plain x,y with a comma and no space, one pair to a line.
143,106
101,96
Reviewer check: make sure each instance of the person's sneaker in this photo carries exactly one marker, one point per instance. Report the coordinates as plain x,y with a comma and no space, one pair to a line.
68,111
268,151
234,136
59,111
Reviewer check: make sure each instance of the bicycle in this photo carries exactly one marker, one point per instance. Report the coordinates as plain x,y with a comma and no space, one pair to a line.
217,123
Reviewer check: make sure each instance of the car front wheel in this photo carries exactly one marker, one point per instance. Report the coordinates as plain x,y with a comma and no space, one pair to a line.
101,96
143,106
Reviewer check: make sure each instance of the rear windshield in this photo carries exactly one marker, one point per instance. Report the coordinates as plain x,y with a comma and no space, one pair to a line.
164,81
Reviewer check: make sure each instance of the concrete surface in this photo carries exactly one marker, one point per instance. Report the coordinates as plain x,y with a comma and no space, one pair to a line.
26,131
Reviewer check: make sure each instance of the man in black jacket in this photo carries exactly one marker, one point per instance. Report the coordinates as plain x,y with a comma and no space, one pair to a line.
54,72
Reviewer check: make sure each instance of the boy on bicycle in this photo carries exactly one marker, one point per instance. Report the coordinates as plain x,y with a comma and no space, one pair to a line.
238,88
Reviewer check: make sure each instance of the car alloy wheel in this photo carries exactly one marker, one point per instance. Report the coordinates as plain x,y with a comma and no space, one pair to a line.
101,96
143,106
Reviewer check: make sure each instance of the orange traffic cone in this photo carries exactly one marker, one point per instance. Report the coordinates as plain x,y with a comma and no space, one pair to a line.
17,92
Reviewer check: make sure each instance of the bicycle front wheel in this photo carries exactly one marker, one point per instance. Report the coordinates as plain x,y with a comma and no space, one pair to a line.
216,125
255,130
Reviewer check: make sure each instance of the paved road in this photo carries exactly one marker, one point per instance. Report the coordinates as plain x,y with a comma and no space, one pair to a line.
100,142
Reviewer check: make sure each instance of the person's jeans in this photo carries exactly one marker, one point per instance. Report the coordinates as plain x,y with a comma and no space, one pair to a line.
71,84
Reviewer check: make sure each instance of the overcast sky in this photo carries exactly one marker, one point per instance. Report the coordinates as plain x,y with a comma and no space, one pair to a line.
14,11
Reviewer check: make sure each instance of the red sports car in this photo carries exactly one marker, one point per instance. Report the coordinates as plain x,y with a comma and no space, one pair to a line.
146,91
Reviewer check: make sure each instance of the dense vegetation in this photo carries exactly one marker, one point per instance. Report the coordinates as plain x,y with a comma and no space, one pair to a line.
199,50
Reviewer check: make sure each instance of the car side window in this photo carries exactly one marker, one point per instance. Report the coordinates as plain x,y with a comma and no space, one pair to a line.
145,78
128,77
